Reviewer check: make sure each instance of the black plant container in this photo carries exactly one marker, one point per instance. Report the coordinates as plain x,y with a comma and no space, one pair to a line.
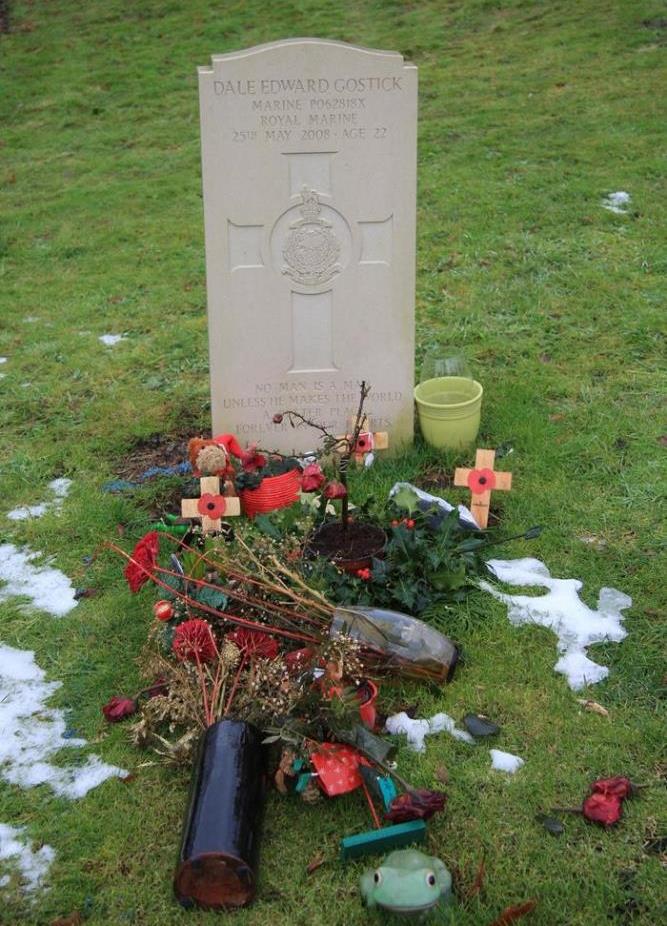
217,862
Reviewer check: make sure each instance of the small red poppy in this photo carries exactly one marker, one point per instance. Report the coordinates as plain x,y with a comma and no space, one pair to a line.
481,481
364,443
211,506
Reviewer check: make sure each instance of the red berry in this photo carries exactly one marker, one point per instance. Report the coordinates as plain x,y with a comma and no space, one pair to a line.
163,610
410,523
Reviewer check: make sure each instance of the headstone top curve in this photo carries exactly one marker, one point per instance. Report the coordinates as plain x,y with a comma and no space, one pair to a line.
303,41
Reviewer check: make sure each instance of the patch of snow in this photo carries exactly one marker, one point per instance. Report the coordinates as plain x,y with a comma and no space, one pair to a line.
60,489
561,609
29,319
505,761
617,202
3,359
32,864
111,339
32,732
49,589
416,729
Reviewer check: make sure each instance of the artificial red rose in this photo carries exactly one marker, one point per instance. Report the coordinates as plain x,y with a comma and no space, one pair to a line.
144,557
117,709
419,804
605,809
618,786
335,489
313,478
211,506
278,418
254,643
605,803
481,481
193,640
163,610
251,460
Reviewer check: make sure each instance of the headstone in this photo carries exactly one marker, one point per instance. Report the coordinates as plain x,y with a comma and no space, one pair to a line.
309,176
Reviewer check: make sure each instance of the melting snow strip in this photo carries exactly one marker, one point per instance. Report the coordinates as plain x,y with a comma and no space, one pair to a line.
111,339
33,864
59,488
561,609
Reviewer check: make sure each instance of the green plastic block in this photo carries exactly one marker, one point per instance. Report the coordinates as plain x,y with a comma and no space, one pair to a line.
389,837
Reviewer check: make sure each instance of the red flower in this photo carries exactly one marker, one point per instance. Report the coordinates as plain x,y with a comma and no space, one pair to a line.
419,804
254,643
364,443
335,489
364,574
251,460
144,556
118,708
163,610
618,786
211,506
278,418
481,481
313,478
193,640
605,804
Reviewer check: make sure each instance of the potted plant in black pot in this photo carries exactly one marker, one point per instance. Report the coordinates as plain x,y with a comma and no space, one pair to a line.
349,544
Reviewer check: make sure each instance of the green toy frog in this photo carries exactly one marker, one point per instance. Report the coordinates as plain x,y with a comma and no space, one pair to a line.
408,882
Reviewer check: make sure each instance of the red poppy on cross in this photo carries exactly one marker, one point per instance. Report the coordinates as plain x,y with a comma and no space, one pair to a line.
211,506
482,480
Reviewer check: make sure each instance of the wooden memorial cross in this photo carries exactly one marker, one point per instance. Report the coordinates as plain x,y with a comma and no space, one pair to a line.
482,480
368,442
211,506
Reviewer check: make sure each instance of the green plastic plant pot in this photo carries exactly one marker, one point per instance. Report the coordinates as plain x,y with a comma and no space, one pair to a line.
449,410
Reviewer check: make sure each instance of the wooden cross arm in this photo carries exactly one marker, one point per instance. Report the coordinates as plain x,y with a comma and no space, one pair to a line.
189,507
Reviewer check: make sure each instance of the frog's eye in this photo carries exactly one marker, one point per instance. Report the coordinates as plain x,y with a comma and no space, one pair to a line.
377,877
430,879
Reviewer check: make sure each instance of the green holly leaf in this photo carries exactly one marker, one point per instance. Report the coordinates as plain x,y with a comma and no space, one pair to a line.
406,499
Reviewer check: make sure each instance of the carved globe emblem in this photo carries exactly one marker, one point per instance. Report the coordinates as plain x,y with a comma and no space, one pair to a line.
312,249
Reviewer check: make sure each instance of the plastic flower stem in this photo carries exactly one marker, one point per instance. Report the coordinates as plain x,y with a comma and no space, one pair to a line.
202,684
238,596
237,678
376,819
223,615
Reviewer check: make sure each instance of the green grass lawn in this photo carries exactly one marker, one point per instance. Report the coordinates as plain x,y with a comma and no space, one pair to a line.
530,113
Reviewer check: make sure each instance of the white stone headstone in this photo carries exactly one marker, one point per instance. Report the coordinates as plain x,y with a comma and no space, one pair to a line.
309,176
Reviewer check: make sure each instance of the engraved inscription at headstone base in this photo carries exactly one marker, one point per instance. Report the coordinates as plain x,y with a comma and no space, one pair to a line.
309,175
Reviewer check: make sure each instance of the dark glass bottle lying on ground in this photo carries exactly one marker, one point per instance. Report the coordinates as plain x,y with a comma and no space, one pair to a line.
217,864
420,651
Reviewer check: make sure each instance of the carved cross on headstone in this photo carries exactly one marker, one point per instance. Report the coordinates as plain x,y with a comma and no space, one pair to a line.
211,506
310,244
482,480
